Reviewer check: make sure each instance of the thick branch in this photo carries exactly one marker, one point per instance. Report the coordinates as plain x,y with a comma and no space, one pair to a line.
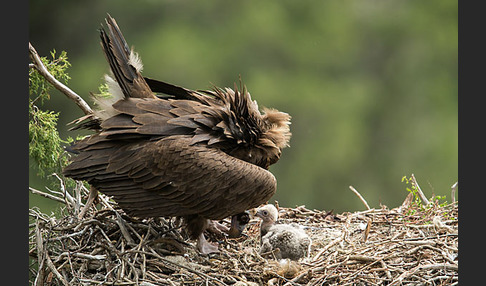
41,68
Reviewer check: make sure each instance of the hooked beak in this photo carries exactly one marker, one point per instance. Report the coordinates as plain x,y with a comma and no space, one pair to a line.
259,214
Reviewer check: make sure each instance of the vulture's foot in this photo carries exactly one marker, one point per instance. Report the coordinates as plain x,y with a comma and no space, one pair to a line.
216,228
204,246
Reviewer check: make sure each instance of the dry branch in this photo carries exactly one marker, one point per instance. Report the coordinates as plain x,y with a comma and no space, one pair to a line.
45,195
453,192
360,197
41,68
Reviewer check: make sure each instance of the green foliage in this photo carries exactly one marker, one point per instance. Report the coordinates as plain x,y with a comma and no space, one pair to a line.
103,91
417,206
45,144
414,191
44,141
38,85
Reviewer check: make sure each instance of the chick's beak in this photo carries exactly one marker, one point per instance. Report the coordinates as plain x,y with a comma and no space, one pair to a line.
259,214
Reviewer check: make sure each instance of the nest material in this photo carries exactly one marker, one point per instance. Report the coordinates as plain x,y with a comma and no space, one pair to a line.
408,245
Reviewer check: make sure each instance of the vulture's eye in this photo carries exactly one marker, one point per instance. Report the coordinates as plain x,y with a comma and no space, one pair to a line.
265,213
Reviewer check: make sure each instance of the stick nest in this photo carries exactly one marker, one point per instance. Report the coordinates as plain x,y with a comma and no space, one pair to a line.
407,245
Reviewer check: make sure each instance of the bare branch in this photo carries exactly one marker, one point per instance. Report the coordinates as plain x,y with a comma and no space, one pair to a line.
41,68
453,192
360,197
39,279
324,249
45,195
54,270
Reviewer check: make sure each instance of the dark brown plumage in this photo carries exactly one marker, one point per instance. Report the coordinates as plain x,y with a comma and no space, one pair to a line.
163,150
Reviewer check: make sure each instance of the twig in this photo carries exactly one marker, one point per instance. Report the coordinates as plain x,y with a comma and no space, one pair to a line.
362,258
46,195
52,267
360,197
81,232
91,197
123,229
444,266
419,190
199,273
39,279
41,68
367,229
453,192
67,196
385,268
331,244
81,255
104,202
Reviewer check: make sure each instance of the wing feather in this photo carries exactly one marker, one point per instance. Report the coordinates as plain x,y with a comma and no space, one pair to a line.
124,63
177,179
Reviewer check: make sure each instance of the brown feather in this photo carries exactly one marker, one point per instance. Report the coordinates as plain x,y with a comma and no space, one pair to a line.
173,161
118,56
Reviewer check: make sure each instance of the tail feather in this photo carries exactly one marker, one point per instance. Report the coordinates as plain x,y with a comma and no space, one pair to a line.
170,89
124,63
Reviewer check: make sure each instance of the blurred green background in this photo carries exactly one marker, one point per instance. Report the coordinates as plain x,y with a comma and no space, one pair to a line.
371,85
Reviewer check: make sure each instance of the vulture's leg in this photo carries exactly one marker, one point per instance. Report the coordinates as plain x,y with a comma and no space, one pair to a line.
93,193
195,226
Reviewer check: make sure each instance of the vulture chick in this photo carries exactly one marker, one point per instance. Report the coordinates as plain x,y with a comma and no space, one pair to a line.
164,150
290,239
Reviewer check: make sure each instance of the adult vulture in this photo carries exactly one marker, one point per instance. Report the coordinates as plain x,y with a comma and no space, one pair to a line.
164,150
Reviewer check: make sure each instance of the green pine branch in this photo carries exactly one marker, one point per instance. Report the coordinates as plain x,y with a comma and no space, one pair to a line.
45,144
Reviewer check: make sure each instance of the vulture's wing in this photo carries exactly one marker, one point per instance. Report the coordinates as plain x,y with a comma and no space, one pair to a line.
169,177
153,158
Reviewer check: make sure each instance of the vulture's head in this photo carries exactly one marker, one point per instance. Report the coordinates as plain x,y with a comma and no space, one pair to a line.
264,133
277,134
